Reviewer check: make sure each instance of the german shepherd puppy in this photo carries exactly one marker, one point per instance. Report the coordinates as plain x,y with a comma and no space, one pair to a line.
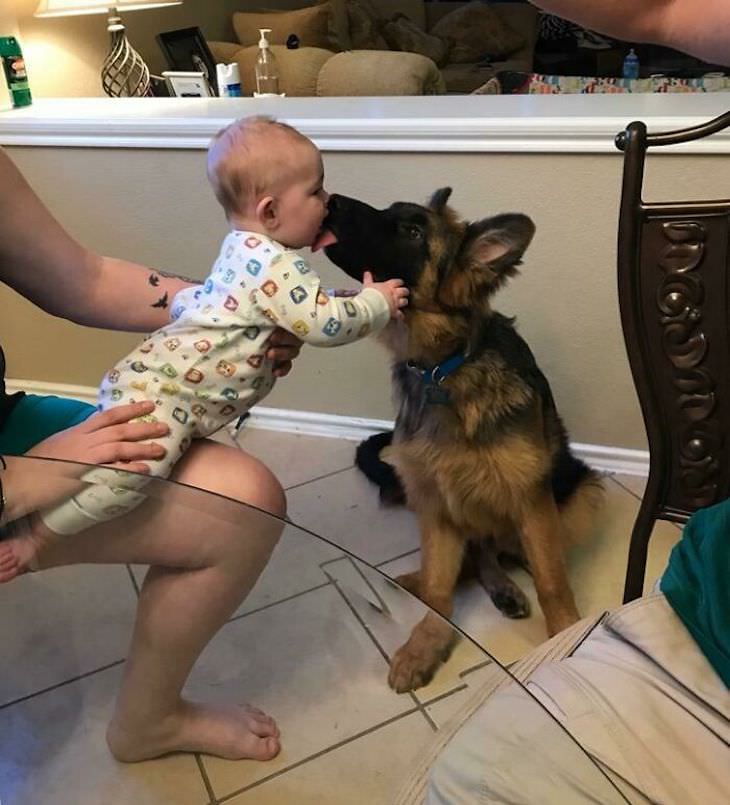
478,444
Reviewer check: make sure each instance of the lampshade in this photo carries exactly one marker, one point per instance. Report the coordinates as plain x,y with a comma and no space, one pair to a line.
66,8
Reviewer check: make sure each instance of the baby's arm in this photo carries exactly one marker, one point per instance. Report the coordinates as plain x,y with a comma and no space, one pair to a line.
293,297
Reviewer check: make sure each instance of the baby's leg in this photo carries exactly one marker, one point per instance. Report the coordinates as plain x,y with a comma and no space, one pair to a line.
108,494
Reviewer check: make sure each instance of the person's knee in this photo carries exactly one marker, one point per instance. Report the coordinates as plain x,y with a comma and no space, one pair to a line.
266,492
233,474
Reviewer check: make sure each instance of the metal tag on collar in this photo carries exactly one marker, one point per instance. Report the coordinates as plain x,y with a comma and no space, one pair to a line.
437,376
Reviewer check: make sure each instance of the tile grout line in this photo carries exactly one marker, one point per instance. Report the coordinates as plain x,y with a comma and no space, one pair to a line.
396,558
359,572
319,754
640,499
65,682
132,579
480,665
213,800
625,488
383,652
446,695
235,618
318,478
375,565
236,442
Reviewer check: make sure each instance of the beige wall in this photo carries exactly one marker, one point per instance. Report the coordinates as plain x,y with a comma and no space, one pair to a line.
155,207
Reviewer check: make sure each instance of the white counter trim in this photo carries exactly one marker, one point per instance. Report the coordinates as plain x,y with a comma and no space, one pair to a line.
451,124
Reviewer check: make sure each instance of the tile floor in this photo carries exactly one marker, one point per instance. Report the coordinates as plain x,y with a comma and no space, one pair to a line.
310,645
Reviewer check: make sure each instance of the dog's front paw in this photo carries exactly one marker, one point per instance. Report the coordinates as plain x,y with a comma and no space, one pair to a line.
411,669
512,603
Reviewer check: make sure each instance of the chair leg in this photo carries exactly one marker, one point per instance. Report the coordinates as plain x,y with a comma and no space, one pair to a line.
638,549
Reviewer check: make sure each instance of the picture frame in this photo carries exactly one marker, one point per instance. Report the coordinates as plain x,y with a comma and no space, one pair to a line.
187,84
186,50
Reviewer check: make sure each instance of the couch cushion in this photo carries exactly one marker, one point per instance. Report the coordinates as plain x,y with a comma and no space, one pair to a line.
311,25
402,34
377,72
365,26
478,32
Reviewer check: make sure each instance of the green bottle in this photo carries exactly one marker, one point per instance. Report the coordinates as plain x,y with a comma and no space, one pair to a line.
15,74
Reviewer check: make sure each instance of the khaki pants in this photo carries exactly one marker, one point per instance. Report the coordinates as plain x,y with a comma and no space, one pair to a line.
638,696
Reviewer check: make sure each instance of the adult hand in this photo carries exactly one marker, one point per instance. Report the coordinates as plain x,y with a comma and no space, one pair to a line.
109,438
283,348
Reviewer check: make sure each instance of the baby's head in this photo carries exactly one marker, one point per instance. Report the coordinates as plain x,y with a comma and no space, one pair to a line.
269,179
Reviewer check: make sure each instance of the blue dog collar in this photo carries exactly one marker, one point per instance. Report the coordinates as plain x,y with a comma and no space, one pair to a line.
434,378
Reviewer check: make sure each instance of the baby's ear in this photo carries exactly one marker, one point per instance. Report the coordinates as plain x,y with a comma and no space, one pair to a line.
267,212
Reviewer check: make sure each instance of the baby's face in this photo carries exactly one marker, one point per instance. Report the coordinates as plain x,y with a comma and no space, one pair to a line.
302,204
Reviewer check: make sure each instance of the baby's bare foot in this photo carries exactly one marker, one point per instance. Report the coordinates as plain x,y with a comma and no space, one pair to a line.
234,732
9,563
19,553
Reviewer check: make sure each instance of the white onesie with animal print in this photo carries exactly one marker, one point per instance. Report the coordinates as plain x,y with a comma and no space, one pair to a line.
209,365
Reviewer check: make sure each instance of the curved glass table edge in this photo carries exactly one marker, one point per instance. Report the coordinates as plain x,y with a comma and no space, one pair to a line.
382,610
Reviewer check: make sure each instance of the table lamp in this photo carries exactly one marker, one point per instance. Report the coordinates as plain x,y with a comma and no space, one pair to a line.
124,72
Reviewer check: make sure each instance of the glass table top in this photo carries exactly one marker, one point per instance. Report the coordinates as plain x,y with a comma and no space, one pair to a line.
311,644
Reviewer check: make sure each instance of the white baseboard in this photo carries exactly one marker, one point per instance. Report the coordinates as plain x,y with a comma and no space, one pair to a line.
308,423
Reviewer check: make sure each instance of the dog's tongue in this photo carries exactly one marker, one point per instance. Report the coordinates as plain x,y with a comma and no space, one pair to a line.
325,238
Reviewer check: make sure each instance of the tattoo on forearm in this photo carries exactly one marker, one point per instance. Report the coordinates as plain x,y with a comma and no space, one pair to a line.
154,281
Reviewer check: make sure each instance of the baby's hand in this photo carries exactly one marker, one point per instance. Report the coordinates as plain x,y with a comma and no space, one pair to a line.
393,290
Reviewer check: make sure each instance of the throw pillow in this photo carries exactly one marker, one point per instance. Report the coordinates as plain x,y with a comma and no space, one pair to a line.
402,34
311,25
365,25
478,33
339,27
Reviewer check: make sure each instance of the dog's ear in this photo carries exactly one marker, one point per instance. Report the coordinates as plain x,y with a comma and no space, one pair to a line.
497,244
490,253
439,199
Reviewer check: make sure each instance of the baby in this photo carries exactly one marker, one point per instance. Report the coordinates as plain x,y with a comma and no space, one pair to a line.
208,366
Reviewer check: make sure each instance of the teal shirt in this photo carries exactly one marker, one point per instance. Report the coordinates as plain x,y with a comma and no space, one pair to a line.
697,583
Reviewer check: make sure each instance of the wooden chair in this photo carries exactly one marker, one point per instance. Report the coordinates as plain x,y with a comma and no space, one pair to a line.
674,298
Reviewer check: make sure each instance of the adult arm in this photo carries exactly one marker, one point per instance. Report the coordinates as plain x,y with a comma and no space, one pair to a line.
698,27
41,261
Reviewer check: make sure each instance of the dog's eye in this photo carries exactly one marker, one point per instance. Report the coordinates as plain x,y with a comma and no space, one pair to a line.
414,232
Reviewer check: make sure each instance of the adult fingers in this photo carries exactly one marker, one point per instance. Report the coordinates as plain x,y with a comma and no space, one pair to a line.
121,413
131,466
131,432
114,452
